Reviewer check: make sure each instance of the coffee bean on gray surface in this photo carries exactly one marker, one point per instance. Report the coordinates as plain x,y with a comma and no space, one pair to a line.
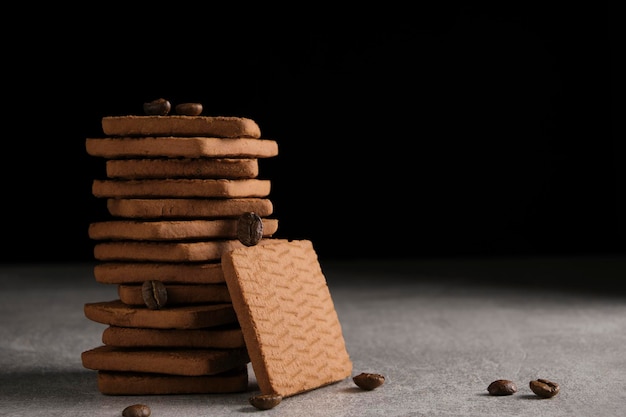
154,294
544,388
249,228
189,109
136,410
502,387
266,401
368,381
158,107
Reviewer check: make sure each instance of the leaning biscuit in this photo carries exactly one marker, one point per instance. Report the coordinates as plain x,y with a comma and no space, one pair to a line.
171,229
142,383
287,316
166,272
183,168
178,294
181,187
203,251
177,147
173,125
218,337
116,313
198,208
164,361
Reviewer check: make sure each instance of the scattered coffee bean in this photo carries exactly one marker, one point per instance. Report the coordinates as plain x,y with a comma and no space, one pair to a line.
368,381
189,109
136,410
249,228
266,401
502,387
158,107
154,294
544,388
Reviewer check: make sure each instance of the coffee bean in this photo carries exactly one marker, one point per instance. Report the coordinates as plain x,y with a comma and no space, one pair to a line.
368,381
249,228
189,109
154,294
544,388
158,107
502,387
136,410
266,401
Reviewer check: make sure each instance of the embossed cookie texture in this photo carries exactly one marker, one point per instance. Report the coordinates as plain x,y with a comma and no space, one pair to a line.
286,312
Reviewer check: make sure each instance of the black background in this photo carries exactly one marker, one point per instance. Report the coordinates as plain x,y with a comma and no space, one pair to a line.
418,132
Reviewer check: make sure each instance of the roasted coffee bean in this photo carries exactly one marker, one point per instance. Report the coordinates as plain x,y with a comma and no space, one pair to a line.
154,294
368,381
544,388
249,228
502,387
136,410
189,109
158,107
266,401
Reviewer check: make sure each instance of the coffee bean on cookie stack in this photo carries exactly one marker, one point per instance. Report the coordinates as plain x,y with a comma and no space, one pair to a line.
181,189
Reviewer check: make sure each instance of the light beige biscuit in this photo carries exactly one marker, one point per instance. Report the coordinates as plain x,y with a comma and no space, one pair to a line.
174,273
178,294
218,337
174,125
285,310
164,361
230,168
142,383
172,229
134,250
178,147
181,187
116,313
180,208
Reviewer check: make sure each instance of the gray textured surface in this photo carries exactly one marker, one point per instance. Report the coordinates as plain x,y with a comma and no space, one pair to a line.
440,331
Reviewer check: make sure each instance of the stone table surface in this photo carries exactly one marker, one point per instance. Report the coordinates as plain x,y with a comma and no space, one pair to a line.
439,330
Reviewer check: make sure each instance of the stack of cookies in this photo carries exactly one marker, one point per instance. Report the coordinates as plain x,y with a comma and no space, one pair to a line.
177,187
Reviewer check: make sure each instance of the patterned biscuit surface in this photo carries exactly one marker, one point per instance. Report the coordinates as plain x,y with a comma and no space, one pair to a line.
142,383
172,125
287,316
